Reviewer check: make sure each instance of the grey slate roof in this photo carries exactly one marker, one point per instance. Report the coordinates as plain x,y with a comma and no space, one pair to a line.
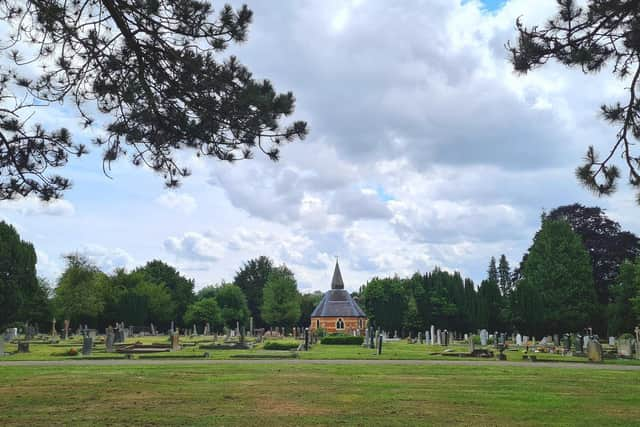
337,302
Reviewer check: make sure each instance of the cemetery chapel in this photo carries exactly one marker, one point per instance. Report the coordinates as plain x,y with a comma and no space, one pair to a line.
337,312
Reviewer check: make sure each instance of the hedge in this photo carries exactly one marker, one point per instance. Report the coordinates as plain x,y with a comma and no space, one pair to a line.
281,345
342,340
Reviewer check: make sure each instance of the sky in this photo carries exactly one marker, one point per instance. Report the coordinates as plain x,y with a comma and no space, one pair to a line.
425,150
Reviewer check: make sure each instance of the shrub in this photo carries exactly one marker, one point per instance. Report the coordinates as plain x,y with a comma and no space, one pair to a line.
281,345
626,336
342,340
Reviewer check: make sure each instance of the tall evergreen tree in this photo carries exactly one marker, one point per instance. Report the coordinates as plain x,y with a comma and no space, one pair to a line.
621,314
492,272
558,271
18,281
504,276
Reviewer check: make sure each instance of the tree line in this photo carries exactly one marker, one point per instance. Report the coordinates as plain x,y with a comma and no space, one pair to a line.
154,293
581,271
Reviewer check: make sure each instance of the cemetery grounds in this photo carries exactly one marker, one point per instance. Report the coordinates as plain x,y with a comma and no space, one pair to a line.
197,390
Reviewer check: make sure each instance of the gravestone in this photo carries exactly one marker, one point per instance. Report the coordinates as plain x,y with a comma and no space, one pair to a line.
23,347
612,340
207,329
585,343
195,330
306,339
637,331
251,326
445,336
578,343
566,342
420,337
625,348
427,337
153,329
466,337
66,329
432,334
525,340
379,349
1,348
54,333
87,345
484,337
372,337
438,337
518,340
175,341
556,340
594,351
109,340
172,328
472,345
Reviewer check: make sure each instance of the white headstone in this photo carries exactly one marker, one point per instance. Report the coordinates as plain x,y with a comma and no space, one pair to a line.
612,340
432,334
484,337
585,343
518,339
525,340
438,342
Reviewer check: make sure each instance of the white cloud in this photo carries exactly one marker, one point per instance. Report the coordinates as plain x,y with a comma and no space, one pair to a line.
195,246
178,201
33,206
108,259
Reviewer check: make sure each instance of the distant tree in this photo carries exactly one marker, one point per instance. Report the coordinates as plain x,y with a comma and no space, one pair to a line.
385,303
492,272
150,69
607,244
504,276
604,33
308,303
490,305
558,270
180,288
77,296
208,291
37,306
203,311
252,279
18,280
233,305
281,299
621,314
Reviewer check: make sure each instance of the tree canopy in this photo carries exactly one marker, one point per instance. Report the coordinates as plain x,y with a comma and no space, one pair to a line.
150,70
557,274
602,34
281,301
252,278
18,282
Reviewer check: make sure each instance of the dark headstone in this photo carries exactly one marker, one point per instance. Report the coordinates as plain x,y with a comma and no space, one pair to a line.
23,347
87,345
306,339
379,349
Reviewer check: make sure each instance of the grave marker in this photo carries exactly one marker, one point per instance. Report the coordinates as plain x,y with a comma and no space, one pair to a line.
594,351
484,337
87,345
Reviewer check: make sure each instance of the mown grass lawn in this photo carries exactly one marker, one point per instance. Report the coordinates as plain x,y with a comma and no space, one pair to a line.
282,394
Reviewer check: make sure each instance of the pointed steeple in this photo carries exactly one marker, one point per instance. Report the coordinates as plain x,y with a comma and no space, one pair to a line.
336,282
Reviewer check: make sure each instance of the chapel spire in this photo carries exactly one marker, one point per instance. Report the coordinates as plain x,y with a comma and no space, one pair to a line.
336,282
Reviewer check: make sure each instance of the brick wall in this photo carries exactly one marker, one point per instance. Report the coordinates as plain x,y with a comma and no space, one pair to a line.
329,324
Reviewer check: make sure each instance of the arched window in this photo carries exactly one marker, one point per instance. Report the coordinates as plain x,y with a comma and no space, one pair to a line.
339,324
317,323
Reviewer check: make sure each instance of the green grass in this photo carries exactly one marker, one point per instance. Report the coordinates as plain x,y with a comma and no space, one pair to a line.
284,394
398,350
